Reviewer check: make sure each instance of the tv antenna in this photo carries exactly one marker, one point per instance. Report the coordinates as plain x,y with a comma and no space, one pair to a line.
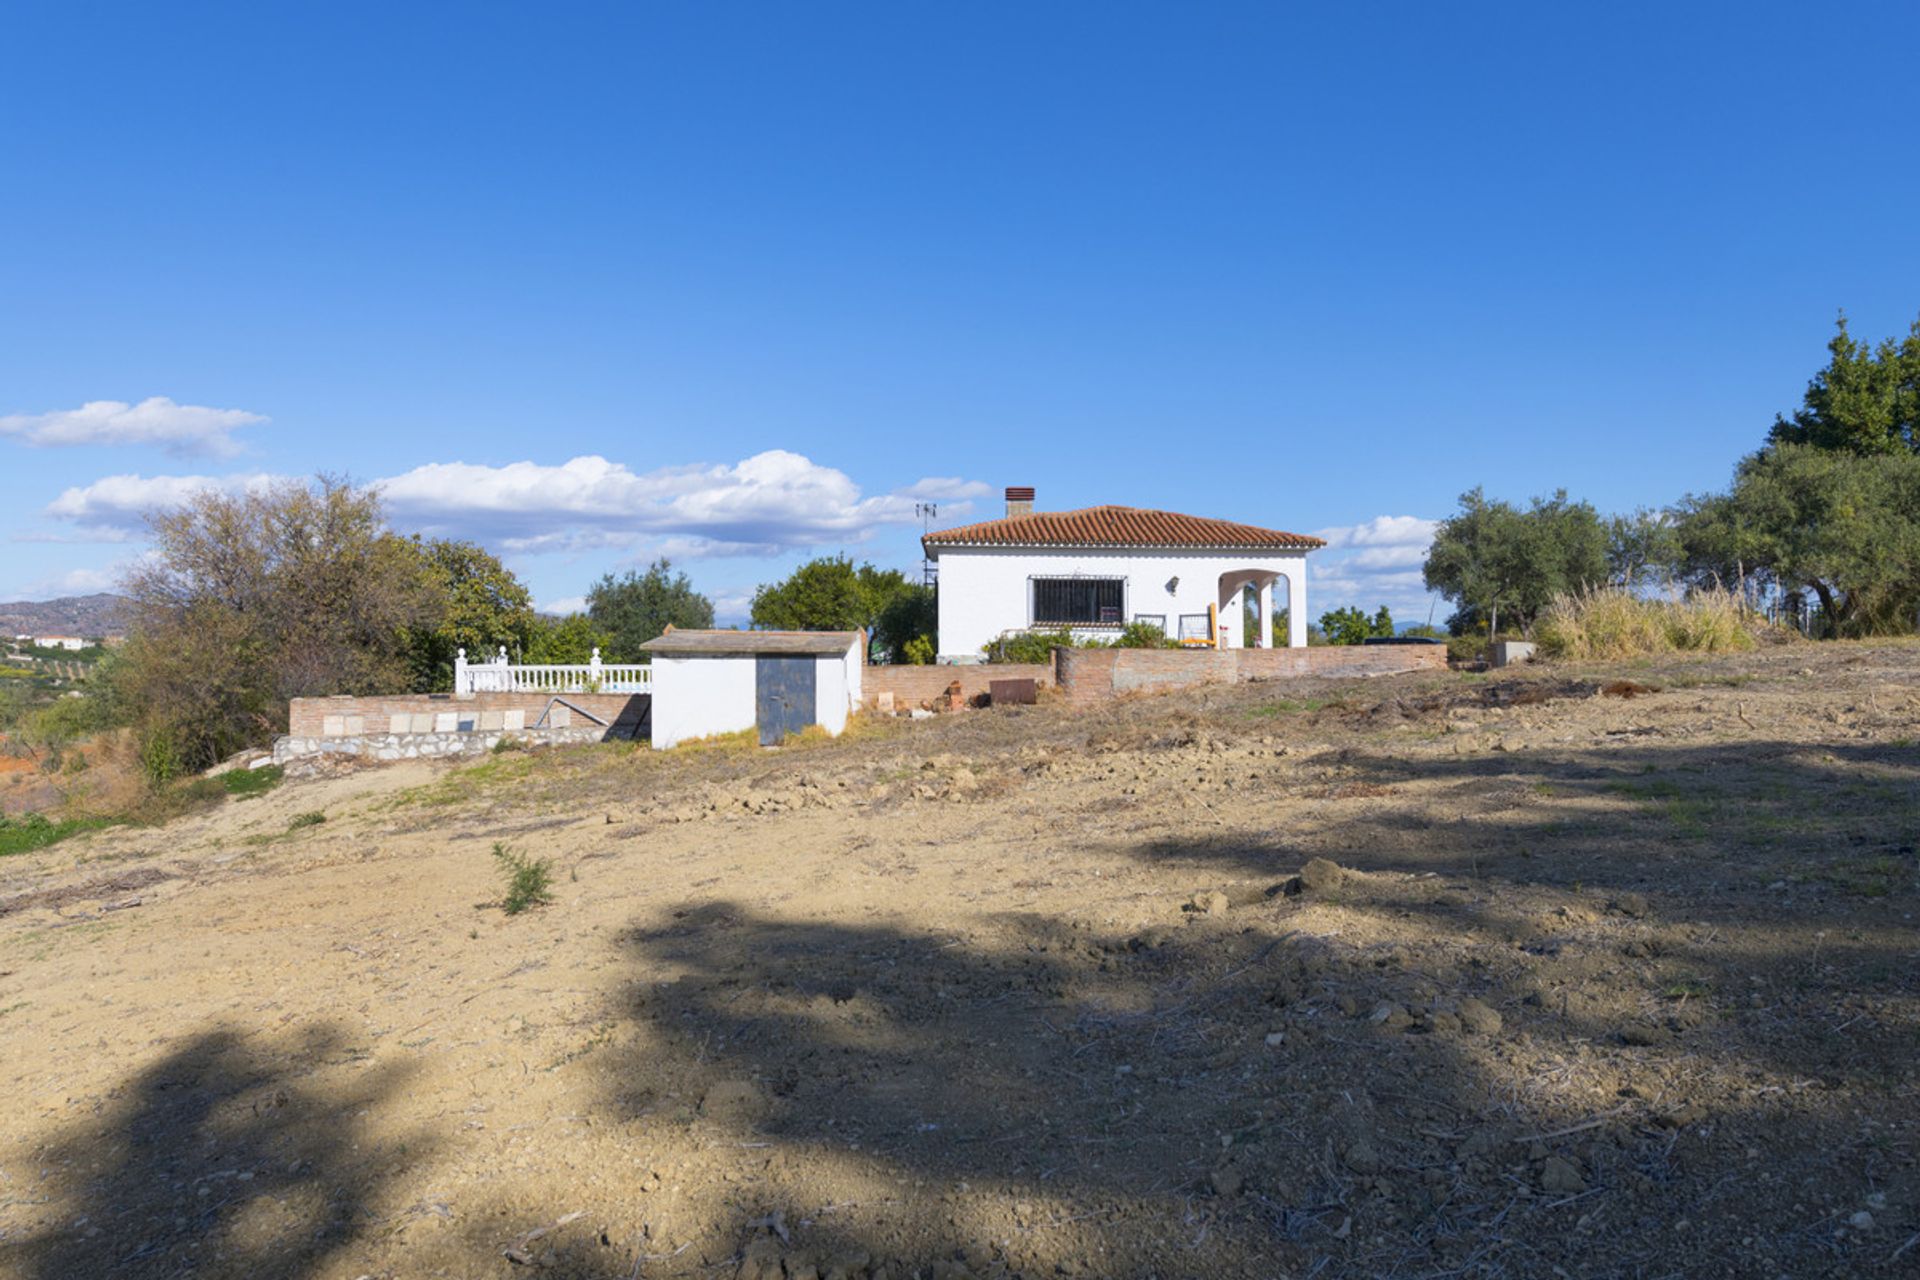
928,513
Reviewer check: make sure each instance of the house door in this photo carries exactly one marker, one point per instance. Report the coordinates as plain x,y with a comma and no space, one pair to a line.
783,688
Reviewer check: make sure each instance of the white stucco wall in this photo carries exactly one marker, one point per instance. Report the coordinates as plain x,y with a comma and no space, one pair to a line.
697,697
832,697
984,591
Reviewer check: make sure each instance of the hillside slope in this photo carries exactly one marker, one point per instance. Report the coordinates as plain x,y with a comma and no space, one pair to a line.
94,615
1611,972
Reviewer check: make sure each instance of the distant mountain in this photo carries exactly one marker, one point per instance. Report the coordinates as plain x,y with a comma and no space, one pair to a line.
94,615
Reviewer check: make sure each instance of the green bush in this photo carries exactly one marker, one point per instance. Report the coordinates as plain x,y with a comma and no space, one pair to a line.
529,881
159,759
312,818
1143,635
919,652
1030,646
1351,626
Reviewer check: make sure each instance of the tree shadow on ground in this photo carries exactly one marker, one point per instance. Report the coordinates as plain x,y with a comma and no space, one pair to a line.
220,1159
1568,1027
1773,873
1226,1101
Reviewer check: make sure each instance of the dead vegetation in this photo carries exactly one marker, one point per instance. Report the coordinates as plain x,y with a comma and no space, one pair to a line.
1595,972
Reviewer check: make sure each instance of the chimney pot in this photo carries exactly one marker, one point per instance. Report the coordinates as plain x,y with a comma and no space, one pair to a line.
1019,500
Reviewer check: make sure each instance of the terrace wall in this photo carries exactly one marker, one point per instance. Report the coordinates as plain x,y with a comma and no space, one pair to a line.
912,686
417,713
1092,675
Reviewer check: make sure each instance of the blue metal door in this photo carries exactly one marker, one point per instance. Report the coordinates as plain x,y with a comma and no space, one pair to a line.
783,687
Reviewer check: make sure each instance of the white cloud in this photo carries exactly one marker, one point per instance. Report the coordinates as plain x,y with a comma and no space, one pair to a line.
945,489
77,582
1372,563
123,501
74,582
1382,531
731,608
157,420
564,605
79,534
762,505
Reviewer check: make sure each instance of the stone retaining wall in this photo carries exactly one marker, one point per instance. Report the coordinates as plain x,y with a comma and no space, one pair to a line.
437,713
417,746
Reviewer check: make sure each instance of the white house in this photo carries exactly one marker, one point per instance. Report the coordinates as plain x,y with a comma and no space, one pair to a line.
74,643
706,683
1097,569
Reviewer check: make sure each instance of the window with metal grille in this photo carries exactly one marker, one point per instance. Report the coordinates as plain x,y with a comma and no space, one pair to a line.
1079,601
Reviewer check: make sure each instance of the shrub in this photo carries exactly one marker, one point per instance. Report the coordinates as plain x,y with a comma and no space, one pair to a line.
1143,635
1029,646
158,758
919,652
529,880
311,818
1615,623
1352,626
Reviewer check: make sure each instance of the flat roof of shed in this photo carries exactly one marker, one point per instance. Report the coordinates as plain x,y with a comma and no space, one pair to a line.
753,642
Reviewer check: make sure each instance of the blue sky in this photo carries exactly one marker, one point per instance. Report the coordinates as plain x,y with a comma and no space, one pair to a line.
741,283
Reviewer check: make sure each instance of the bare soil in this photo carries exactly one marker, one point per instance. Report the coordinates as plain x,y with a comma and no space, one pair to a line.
1575,972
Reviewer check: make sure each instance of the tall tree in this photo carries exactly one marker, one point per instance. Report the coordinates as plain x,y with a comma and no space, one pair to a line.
833,594
638,607
1640,546
907,623
1845,526
1351,625
1866,400
1493,559
480,606
571,639
251,599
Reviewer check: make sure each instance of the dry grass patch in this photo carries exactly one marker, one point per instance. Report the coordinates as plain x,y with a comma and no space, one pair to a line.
1612,624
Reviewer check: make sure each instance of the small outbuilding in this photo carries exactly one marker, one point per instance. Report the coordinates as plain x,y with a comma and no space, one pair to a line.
713,682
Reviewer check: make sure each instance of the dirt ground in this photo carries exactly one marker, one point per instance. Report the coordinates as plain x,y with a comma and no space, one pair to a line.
1570,972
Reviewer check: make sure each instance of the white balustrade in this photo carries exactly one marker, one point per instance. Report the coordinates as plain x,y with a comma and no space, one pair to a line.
497,675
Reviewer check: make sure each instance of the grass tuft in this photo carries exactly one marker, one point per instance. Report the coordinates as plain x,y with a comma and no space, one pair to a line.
32,831
529,880
244,783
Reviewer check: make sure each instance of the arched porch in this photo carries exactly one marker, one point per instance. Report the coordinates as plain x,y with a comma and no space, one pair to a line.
1235,587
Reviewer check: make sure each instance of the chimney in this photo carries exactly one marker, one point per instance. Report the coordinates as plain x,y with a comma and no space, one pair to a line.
1019,501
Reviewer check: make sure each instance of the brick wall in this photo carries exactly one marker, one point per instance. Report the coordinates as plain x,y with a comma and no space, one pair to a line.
912,686
1090,675
1085,675
310,717
1341,660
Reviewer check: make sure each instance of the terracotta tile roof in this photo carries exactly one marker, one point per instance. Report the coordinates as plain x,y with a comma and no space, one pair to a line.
1117,527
